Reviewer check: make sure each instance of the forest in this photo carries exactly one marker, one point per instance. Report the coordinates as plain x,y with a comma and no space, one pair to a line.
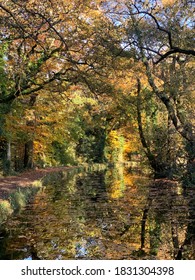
97,82
97,108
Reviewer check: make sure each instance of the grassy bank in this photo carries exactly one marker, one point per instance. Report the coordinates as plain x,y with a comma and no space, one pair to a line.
18,199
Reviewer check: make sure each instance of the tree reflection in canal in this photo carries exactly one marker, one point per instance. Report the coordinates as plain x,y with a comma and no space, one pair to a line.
109,214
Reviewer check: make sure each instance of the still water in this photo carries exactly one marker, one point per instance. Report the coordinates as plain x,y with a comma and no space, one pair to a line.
109,214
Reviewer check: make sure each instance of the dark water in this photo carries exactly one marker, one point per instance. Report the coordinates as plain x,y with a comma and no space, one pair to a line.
103,215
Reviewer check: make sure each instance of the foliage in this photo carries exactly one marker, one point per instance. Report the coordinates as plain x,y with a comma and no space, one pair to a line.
97,81
5,210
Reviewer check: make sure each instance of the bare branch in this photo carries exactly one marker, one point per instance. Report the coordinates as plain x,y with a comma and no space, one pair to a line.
175,50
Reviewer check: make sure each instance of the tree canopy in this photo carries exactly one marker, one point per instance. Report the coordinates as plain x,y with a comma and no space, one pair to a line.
97,81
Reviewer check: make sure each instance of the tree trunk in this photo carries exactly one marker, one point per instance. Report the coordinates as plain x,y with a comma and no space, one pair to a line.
161,169
28,154
185,129
29,145
8,161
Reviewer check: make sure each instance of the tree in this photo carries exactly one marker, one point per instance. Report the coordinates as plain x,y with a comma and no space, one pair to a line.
51,43
145,24
129,73
49,47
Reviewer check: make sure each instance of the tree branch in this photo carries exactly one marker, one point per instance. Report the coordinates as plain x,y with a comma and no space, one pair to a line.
173,49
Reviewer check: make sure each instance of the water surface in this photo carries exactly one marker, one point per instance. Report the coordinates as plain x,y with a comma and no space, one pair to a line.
109,214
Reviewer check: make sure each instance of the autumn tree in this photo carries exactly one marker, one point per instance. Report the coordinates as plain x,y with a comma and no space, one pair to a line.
50,46
159,35
136,70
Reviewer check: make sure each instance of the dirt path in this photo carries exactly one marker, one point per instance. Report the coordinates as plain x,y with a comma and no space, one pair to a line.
10,183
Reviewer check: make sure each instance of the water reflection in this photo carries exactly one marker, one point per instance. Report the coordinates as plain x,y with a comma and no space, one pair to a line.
103,215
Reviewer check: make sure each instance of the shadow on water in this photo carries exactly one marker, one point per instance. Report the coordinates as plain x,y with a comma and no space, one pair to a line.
109,214
169,221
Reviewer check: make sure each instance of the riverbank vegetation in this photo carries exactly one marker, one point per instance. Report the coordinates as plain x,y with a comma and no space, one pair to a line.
97,82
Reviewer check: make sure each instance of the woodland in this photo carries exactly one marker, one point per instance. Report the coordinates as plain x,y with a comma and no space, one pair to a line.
107,81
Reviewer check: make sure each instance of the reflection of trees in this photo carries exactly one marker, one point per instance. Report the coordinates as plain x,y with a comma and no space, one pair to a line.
80,217
98,216
187,248
168,222
69,219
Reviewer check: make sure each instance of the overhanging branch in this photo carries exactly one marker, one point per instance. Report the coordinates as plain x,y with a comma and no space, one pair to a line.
173,49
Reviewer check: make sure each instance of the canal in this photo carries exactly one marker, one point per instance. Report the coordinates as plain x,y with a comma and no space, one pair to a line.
109,214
